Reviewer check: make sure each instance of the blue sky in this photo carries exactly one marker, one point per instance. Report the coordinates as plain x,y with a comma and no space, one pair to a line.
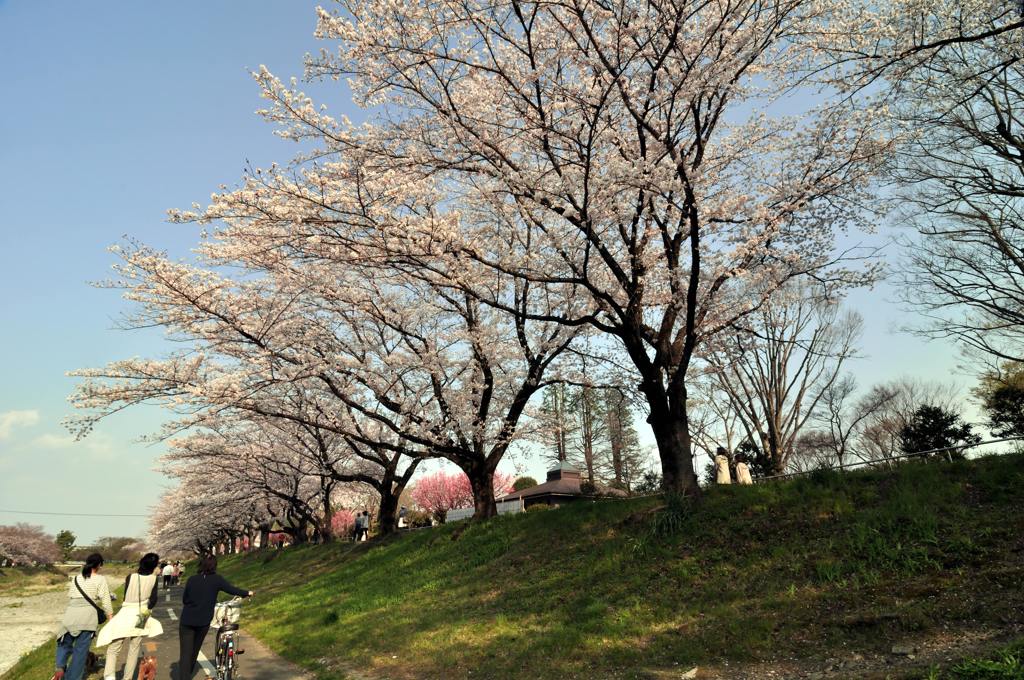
111,114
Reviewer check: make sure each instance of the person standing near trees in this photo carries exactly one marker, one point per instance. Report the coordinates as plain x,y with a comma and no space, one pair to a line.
722,474
743,471
364,526
133,621
88,596
199,598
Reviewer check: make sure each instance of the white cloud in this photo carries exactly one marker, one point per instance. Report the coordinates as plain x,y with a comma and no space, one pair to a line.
97,443
54,441
12,419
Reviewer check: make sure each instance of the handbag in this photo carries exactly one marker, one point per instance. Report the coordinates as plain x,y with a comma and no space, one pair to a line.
101,616
144,613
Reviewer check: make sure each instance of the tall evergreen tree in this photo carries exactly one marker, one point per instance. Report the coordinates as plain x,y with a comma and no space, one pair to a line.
590,444
556,424
623,466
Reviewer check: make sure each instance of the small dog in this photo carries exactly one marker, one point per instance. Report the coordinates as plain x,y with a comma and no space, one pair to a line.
147,669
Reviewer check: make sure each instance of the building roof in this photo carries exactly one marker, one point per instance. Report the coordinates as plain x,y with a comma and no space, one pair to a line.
560,486
564,479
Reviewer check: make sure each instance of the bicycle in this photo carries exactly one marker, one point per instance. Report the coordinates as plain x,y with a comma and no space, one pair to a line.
227,615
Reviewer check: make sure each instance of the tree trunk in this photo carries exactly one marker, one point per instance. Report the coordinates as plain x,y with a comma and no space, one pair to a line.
388,520
675,448
481,480
390,488
327,527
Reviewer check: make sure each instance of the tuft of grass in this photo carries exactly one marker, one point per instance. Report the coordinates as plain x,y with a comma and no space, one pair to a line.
1006,663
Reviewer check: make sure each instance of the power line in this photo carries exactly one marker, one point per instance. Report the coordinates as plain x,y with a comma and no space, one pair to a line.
66,514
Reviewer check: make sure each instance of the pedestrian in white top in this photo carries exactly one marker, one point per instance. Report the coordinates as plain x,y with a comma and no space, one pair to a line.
743,471
168,573
133,622
88,594
722,475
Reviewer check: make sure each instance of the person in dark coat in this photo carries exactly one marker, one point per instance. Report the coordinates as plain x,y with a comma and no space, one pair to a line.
199,598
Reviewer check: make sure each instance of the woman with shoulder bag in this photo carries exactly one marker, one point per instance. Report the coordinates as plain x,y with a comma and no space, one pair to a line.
88,607
133,621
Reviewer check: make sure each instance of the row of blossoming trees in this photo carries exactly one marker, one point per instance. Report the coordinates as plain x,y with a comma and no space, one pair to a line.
583,191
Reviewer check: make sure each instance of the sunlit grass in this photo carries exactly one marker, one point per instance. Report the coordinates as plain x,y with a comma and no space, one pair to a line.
634,589
615,587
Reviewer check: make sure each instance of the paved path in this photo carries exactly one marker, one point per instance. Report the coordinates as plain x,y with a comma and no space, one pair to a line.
258,662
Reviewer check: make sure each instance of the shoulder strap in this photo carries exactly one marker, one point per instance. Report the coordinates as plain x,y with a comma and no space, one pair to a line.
138,582
87,598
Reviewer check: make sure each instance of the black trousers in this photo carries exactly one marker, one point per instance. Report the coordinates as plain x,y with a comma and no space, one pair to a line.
190,640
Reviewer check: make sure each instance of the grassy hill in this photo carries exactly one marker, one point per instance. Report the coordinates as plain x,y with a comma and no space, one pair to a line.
912,574
860,575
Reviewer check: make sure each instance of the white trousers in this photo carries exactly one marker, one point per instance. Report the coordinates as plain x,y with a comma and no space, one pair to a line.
114,651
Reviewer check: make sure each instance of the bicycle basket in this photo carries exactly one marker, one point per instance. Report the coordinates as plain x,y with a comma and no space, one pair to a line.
222,611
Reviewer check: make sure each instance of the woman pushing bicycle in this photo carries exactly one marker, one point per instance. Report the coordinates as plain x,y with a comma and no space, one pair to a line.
200,597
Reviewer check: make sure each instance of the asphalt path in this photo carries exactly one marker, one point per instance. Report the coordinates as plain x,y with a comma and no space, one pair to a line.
258,662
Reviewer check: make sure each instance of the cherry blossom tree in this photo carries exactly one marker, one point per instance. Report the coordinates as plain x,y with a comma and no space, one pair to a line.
396,366
605,155
441,491
206,513
343,522
27,545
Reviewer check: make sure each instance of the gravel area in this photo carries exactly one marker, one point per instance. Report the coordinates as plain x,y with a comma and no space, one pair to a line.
27,622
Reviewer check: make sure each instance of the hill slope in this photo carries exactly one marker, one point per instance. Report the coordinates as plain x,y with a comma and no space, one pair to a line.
819,577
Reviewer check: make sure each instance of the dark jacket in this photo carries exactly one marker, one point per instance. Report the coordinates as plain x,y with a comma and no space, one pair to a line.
201,595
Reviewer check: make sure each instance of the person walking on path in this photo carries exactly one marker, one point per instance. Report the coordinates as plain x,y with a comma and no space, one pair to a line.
722,474
88,594
199,598
140,597
168,573
176,574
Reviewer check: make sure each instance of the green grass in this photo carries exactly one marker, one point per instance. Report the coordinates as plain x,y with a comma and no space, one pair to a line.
630,588
24,581
28,581
36,664
1006,663
807,570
